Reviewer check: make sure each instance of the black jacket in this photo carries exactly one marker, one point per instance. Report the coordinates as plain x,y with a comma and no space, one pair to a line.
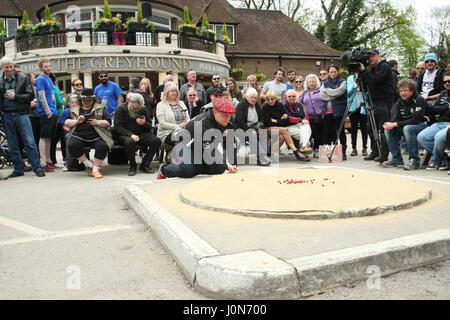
242,114
395,75
380,83
275,112
206,121
442,106
409,112
124,125
438,84
24,93
194,111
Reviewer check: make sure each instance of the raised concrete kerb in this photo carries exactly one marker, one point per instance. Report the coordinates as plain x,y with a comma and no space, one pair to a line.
247,275
259,275
185,246
332,269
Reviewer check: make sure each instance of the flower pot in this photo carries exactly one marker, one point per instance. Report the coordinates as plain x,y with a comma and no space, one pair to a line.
106,27
43,29
22,33
189,31
137,27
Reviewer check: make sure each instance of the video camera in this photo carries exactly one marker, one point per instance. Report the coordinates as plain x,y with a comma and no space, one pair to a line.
352,59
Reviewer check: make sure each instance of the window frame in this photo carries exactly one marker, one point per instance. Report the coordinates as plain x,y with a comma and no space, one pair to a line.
218,29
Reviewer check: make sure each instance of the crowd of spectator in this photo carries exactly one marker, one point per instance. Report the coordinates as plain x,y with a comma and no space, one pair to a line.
409,116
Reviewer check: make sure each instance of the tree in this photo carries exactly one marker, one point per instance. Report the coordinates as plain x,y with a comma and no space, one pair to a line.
439,36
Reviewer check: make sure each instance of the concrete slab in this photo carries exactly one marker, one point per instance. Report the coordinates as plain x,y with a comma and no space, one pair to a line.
324,253
332,269
247,275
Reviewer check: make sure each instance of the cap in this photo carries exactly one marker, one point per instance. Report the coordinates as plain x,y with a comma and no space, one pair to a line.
431,56
224,105
214,90
87,94
373,51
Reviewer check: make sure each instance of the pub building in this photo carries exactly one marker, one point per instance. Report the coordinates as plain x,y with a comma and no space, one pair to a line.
259,42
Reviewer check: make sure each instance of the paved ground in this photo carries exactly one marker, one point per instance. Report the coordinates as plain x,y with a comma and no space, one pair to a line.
68,236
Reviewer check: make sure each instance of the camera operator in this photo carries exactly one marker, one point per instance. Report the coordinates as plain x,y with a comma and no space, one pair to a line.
379,83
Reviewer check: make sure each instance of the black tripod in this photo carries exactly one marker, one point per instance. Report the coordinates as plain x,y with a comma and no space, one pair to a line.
368,106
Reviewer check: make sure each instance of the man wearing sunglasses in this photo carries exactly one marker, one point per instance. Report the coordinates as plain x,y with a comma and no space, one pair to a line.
193,103
433,138
109,93
431,82
216,83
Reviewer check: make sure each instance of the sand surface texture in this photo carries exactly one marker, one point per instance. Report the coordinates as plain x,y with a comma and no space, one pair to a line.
305,193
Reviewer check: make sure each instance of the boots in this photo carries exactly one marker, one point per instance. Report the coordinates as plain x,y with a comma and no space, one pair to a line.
301,157
145,166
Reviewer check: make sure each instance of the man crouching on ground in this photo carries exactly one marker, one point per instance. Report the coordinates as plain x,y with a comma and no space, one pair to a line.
219,118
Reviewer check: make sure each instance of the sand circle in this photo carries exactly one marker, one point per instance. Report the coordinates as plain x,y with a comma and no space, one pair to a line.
305,193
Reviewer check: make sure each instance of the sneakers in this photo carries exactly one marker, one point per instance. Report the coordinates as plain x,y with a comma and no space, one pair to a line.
393,163
161,175
354,153
15,174
412,165
40,173
444,165
364,152
432,167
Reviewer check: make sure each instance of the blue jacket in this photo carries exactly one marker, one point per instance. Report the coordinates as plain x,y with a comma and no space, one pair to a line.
295,113
339,104
351,94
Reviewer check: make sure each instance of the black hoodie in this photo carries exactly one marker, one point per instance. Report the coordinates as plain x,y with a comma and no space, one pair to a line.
442,106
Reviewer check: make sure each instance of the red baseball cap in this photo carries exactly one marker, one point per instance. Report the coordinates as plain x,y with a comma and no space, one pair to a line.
224,105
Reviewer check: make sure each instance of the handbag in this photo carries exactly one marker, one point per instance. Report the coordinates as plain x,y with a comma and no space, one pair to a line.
318,118
325,151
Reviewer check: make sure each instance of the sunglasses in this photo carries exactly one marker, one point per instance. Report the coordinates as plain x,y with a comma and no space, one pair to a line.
103,76
429,61
446,81
298,81
191,95
323,74
216,78
78,84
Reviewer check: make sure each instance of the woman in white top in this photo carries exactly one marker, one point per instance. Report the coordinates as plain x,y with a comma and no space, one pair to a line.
171,112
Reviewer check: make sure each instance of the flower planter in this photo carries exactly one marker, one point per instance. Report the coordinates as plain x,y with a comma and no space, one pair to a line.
43,29
108,27
138,27
22,34
188,31
210,37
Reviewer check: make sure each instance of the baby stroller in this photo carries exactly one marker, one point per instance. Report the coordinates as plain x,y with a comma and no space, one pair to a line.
5,157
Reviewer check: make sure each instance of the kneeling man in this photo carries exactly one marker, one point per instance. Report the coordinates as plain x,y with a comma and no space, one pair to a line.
217,118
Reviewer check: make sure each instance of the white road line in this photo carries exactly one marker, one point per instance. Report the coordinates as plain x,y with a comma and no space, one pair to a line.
66,234
21,227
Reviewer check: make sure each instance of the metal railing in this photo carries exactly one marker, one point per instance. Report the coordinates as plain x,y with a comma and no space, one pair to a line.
55,39
117,38
196,43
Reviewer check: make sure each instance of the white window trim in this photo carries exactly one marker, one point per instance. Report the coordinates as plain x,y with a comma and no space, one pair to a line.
5,23
233,40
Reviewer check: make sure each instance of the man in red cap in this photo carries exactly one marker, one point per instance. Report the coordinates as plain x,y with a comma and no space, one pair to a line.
217,118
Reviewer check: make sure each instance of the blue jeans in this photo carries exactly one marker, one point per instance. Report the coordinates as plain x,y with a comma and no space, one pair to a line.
433,139
16,124
410,133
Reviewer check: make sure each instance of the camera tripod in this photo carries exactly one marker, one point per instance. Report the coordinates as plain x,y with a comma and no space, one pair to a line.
368,106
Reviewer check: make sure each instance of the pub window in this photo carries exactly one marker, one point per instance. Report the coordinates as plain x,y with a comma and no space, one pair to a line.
230,31
11,25
85,21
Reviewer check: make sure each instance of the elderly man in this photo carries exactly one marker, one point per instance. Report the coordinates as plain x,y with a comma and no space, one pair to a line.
216,84
133,127
160,89
420,69
249,118
299,128
193,84
193,103
16,94
217,118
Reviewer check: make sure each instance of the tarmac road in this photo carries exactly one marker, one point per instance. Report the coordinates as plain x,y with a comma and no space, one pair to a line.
68,236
